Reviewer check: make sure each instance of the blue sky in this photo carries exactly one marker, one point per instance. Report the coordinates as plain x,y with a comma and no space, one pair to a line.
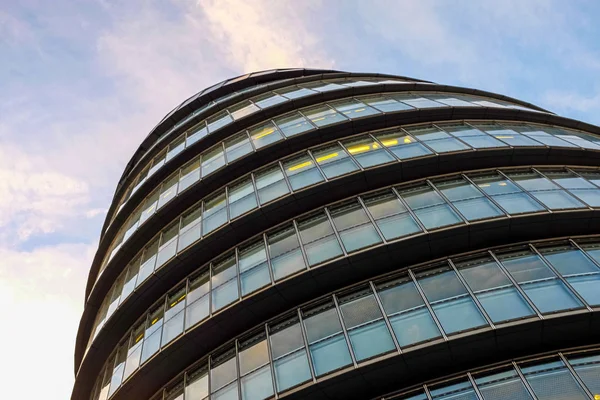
82,82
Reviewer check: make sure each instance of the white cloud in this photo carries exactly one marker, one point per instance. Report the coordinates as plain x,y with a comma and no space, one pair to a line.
566,101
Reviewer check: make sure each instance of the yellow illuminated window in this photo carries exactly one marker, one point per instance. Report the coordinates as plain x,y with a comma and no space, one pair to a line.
300,166
327,157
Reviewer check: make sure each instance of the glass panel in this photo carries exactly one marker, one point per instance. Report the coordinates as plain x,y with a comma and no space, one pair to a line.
190,226
242,109
391,216
352,108
323,115
507,135
286,256
553,381
568,260
293,124
241,198
252,356
254,269
215,213
218,121
456,391
212,160
168,189
294,92
224,373
504,304
291,363
148,261
558,199
525,266
237,146
152,334
268,100
385,104
270,184
257,385
367,152
321,86
590,197
224,283
409,317
468,200
355,228
168,244
588,370
175,147
518,203
301,172
197,300
403,145
318,238
416,101
334,161
190,174
196,133
551,296
588,287
172,328
264,135
502,386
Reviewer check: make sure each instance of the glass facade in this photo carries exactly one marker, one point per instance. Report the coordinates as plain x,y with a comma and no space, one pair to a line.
264,247
366,151
425,304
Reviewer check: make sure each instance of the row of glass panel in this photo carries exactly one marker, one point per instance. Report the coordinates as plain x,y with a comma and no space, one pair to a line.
574,376
240,110
320,115
428,303
362,151
350,225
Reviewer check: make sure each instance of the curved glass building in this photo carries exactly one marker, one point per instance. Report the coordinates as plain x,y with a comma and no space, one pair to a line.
316,234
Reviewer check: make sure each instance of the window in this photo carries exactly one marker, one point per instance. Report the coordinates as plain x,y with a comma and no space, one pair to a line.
545,190
352,108
321,86
506,194
294,92
130,277
587,368
168,244
581,273
538,134
410,319
391,216
301,172
269,99
292,124
265,134
437,139
242,109
472,136
215,213
367,330
175,147
175,391
212,160
254,268
196,133
197,299
197,384
402,145
367,151
285,253
323,115
255,372
576,185
168,189
552,380
134,350
148,261
385,104
507,135
326,342
224,283
354,226
223,377
190,174
452,100
462,390
429,207
290,361
451,303
190,230
502,385
218,121
495,292
468,200
270,184
158,162
174,315
241,198
539,283
334,161
117,370
149,206
416,100
318,238
237,147
153,333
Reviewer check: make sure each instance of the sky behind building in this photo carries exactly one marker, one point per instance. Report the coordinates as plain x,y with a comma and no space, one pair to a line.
83,82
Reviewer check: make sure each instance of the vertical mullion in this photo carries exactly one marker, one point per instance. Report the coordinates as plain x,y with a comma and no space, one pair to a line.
306,346
285,177
312,157
224,153
210,289
236,253
577,378
335,231
435,319
385,317
584,252
208,370
427,392
524,380
227,204
560,277
473,296
297,231
475,388
253,179
268,255
410,210
516,285
344,330
238,369
362,203
271,361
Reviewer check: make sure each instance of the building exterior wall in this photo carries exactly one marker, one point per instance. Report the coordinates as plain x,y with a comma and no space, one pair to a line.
321,234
